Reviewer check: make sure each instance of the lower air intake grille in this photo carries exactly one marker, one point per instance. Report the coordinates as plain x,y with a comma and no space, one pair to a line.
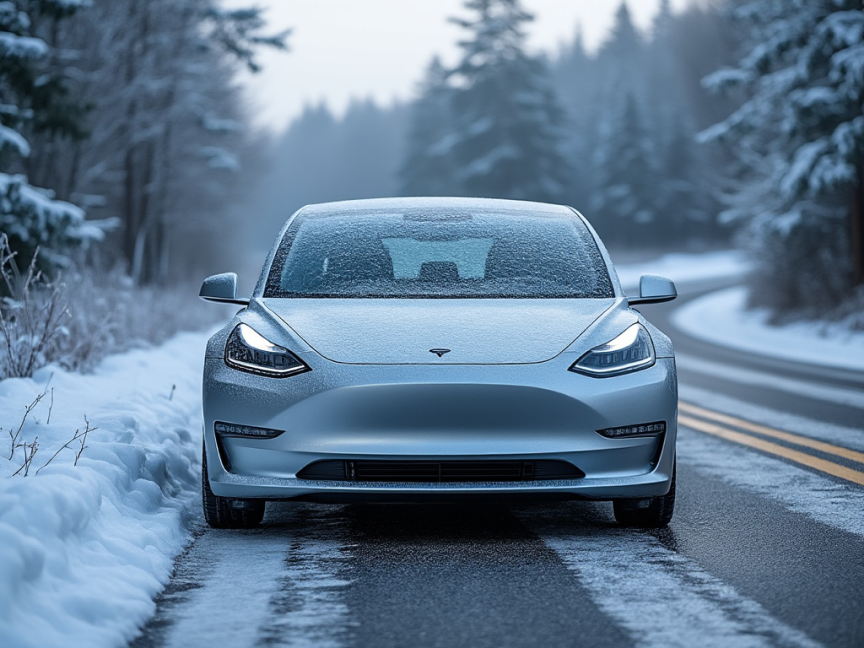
440,471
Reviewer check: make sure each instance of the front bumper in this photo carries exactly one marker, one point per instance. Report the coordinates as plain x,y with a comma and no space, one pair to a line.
440,413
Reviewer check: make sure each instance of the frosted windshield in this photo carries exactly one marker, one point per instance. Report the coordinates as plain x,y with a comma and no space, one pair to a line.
438,253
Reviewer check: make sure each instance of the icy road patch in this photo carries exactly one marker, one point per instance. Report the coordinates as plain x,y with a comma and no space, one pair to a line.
84,549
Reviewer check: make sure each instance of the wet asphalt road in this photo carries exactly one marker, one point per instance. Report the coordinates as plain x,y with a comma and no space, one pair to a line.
763,550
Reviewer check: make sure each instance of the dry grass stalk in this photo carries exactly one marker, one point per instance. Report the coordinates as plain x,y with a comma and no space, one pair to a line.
15,436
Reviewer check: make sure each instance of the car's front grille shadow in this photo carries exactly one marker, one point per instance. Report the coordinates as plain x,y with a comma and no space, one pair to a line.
439,471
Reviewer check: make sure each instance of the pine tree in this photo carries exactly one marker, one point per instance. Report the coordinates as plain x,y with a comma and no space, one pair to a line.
624,43
572,72
800,134
622,62
625,201
683,198
427,169
508,124
575,78
625,196
33,97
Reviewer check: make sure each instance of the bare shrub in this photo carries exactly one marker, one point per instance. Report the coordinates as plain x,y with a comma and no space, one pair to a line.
78,319
32,314
80,437
30,450
27,410
110,314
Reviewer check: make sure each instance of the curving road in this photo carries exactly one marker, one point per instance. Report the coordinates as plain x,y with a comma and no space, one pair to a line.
766,548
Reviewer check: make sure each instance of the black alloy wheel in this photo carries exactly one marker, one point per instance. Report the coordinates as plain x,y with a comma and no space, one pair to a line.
651,513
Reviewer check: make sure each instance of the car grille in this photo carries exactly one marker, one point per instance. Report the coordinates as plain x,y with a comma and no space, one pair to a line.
440,471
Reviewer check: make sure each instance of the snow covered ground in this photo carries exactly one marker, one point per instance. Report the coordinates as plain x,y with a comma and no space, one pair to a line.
84,549
720,318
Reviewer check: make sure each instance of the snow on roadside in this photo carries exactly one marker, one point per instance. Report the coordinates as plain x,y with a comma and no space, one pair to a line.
720,318
684,267
84,549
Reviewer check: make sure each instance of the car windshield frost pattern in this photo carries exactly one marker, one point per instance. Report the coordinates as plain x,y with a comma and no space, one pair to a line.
438,253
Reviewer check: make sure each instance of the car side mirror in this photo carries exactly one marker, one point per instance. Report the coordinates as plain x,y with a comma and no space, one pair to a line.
654,289
222,289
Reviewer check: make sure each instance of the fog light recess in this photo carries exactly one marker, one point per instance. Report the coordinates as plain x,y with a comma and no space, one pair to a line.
643,429
244,431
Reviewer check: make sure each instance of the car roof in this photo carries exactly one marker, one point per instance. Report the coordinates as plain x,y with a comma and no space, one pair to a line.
380,204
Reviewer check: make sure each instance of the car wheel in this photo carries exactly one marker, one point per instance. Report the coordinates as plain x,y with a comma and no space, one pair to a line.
651,513
225,512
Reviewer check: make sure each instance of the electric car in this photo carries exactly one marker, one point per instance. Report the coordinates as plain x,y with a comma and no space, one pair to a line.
438,349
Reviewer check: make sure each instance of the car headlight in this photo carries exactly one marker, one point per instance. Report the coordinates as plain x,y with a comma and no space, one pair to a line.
248,350
630,351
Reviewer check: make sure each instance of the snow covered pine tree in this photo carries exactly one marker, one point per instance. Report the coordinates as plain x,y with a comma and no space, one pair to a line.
624,201
426,170
505,121
800,135
28,215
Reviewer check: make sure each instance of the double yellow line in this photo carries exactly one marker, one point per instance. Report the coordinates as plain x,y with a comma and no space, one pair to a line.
745,433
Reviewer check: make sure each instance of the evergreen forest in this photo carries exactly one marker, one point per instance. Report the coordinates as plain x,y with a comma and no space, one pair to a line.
126,148
736,123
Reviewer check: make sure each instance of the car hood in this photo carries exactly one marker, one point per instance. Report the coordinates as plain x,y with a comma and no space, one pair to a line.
404,331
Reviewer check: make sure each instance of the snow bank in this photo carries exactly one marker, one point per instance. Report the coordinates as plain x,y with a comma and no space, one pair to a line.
84,549
681,267
720,318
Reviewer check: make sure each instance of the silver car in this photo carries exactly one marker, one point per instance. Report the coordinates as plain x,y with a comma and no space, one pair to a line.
429,349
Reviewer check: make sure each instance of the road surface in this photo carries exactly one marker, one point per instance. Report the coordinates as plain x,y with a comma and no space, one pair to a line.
766,547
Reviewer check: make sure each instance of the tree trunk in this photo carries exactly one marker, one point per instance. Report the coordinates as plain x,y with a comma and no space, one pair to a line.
146,269
164,168
856,229
130,212
137,261
137,203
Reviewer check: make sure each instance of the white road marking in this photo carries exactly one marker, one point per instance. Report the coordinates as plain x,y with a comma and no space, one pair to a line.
281,586
839,395
311,611
237,575
664,600
836,504
847,437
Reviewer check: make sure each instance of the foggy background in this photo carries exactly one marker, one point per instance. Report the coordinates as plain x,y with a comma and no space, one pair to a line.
145,145
621,124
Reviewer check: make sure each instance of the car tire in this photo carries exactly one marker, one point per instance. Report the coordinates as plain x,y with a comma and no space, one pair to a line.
656,514
222,512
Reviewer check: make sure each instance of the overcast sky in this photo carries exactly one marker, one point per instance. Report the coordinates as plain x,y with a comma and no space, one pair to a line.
344,49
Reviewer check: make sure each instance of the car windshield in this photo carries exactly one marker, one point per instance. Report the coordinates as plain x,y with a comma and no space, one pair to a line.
426,253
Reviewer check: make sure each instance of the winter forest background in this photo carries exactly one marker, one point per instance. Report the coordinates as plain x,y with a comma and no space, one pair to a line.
128,161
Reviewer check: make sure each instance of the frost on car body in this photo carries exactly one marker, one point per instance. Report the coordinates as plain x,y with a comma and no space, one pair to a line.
438,348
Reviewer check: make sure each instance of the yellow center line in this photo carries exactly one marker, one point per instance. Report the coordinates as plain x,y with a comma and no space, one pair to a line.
797,439
831,468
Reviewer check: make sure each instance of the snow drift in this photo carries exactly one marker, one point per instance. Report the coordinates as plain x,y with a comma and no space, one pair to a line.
85,548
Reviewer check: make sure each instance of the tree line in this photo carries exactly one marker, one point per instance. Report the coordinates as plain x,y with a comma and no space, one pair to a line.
125,110
737,122
611,133
796,187
738,118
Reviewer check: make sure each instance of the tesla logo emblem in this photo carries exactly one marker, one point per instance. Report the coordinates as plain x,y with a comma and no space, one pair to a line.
439,352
